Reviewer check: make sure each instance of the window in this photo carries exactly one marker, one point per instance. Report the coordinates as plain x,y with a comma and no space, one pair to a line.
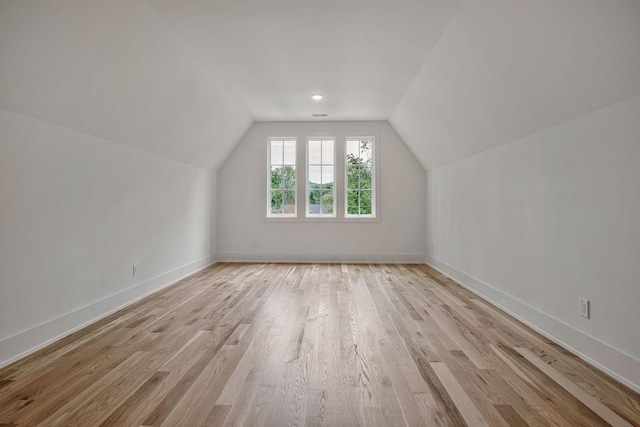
335,176
321,178
282,178
360,180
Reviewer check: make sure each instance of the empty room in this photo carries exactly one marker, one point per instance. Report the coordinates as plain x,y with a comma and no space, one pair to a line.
304,213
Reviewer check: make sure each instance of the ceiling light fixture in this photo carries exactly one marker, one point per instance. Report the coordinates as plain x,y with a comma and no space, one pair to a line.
317,96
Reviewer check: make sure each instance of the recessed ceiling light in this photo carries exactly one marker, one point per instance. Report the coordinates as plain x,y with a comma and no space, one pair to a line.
317,96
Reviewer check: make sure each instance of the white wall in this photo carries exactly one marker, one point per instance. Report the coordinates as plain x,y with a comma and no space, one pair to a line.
76,212
538,222
399,236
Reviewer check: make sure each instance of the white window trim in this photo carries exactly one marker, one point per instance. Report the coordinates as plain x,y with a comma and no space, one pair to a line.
301,176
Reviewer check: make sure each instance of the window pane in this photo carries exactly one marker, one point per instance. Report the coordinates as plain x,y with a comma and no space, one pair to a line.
366,148
289,177
365,202
315,175
353,149
353,159
353,201
276,153
365,177
276,201
315,202
327,198
289,201
327,174
353,177
289,152
327,152
315,152
276,177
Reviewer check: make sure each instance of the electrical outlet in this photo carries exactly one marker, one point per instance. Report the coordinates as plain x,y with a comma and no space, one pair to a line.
254,243
135,269
583,307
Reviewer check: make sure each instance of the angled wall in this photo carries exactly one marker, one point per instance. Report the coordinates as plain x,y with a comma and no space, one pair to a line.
110,132
77,211
526,116
535,224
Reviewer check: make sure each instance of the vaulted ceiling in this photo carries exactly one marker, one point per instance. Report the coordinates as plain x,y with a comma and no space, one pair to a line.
186,79
361,54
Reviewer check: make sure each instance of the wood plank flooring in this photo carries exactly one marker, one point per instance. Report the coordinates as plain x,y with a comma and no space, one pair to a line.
314,345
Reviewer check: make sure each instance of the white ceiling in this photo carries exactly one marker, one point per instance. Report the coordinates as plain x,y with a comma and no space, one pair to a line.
186,79
504,69
361,54
112,69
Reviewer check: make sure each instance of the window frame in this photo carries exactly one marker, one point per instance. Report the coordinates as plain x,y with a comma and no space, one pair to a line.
307,171
268,212
340,137
374,183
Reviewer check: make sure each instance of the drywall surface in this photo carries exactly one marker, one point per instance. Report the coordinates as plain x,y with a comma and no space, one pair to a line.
273,54
115,70
76,213
537,223
399,236
505,69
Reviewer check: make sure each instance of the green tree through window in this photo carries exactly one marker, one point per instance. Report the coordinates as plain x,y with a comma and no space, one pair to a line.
283,190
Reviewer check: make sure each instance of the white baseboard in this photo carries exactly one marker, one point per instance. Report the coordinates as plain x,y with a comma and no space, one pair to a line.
621,366
294,257
24,343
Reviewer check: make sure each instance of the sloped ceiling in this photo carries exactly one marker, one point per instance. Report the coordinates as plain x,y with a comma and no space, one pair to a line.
112,69
185,79
273,54
504,69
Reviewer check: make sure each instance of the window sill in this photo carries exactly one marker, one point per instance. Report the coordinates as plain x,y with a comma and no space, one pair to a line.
350,220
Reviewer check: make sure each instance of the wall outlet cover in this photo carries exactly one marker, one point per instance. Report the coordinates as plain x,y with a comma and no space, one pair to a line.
583,307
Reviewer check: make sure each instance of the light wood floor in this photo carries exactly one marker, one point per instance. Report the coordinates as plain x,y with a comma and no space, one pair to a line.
334,345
